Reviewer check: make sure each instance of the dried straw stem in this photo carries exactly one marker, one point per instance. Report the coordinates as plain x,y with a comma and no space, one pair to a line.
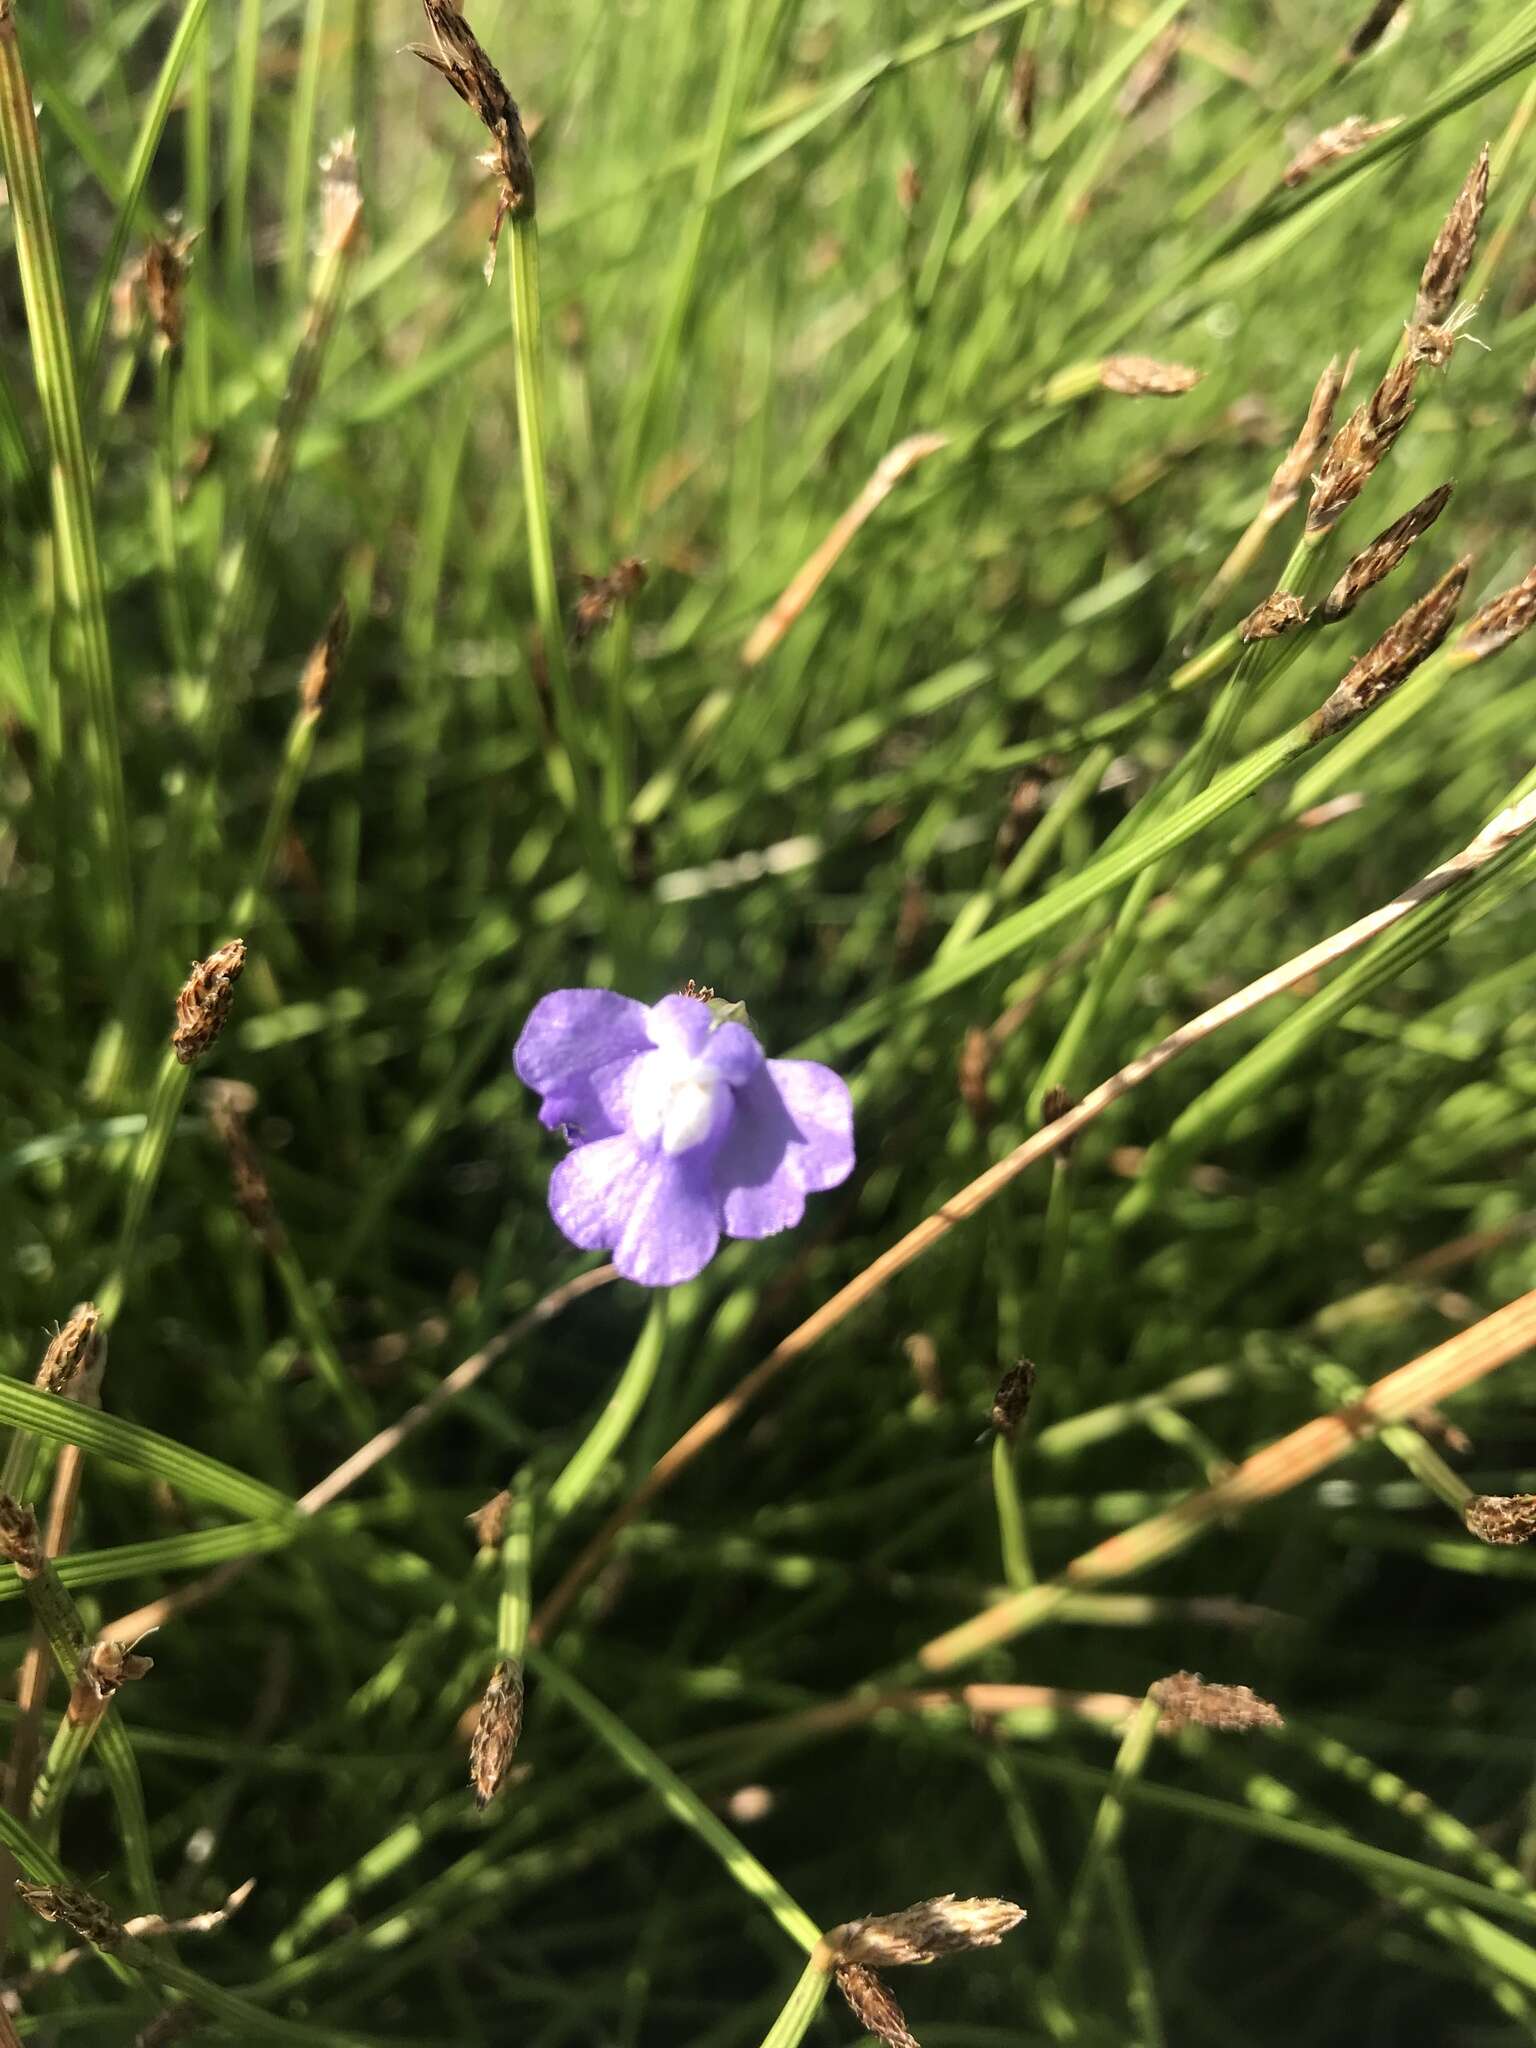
808,579
1463,1359
1494,839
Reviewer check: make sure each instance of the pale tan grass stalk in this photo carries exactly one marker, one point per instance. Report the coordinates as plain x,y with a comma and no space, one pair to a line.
1427,1380
808,579
129,1627
1493,840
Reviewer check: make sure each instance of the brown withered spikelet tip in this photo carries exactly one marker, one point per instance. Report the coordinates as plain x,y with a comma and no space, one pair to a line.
108,1667
1501,1517
80,1911
1450,257
1373,28
324,663
973,1071
1145,377
1010,1404
490,1522
19,1541
1022,81
341,195
1301,458
459,57
1386,551
1189,1701
920,1934
1502,619
1276,615
873,2006
697,991
1412,639
601,596
228,1103
165,283
1056,1102
1359,445
1331,146
1148,77
494,1743
74,1352
202,1008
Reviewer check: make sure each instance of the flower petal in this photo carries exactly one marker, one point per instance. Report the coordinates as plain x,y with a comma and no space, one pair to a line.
672,1227
575,1030
733,1053
592,1105
760,1188
679,1024
821,1109
594,1190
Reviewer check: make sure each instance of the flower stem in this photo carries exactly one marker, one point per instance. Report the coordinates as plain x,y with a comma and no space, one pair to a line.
515,1607
799,2009
618,1418
1130,1760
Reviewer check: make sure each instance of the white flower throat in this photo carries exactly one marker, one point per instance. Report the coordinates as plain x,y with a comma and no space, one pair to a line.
680,1099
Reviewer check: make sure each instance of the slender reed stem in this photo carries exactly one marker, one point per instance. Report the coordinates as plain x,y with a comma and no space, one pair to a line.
618,1417
799,2009
1130,1760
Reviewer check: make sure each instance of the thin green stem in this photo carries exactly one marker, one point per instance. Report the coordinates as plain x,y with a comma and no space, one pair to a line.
799,2009
618,1417
514,1608
1130,1760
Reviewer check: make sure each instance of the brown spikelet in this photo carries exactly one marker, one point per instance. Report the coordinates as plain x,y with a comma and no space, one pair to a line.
1010,1404
1376,562
459,57
341,196
1189,1701
1019,819
1148,77
202,1008
1502,619
165,284
909,188
490,1522
975,1066
1145,377
495,1738
1022,81
228,1104
324,663
1501,1517
1450,257
108,1667
1302,456
75,1352
922,1933
1276,615
698,992
80,1911
1395,656
1056,1102
873,2006
1359,445
601,596
1331,146
20,1543
1372,29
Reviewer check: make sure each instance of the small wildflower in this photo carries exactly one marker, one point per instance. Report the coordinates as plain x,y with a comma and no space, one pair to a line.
1010,1404
1190,1701
1145,377
1331,146
202,1007
1501,1517
1276,615
681,1129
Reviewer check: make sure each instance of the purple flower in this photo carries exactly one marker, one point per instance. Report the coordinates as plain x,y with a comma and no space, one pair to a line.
680,1129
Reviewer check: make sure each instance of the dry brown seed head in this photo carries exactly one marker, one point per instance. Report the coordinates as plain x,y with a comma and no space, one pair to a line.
227,1104
1373,28
20,1544
1376,562
1189,1701
1301,458
490,1522
974,1070
1450,257
924,1932
324,663
1010,1404
165,282
202,1008
602,595
80,1911
495,1738
75,1353
873,2006
341,195
109,1666
1501,1517
1331,146
459,57
1360,444
1395,656
1155,69
1276,615
1500,620
1146,377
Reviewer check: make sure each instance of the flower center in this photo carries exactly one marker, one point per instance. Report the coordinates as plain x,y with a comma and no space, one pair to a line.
681,1101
